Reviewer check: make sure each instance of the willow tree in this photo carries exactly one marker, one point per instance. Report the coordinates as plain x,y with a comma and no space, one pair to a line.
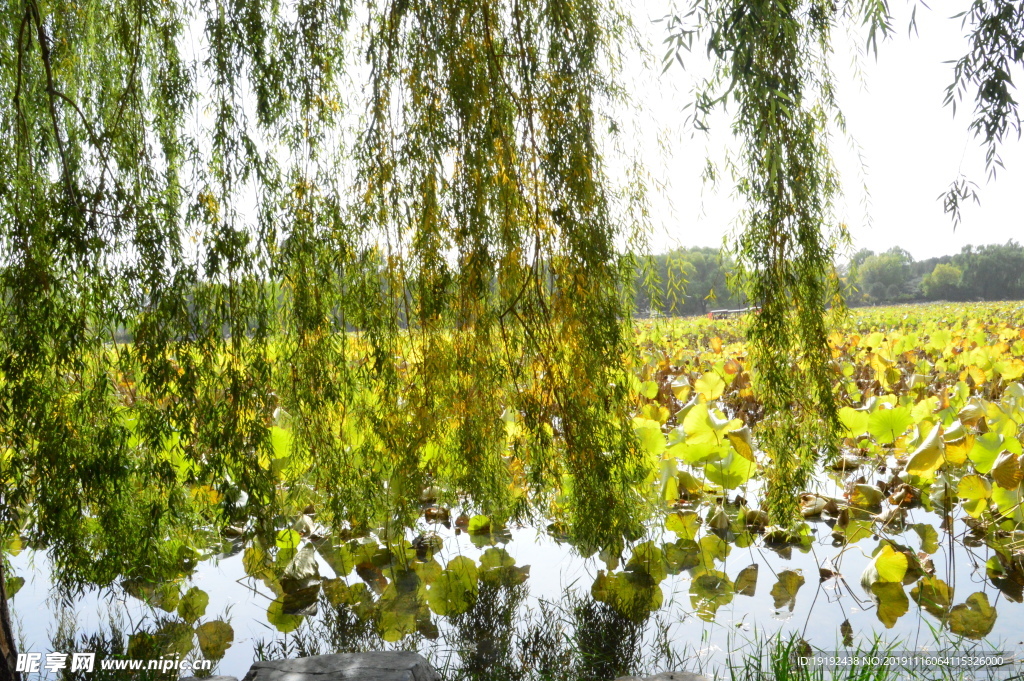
388,223
773,67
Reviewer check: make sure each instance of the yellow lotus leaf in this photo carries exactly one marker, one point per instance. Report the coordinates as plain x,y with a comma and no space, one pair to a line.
740,439
959,443
1007,471
703,425
934,595
866,496
929,457
976,491
710,385
888,565
685,524
974,487
976,373
892,602
681,390
972,411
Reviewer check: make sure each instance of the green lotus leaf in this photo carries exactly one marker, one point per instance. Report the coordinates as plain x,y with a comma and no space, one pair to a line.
975,492
193,604
934,595
685,524
479,524
175,638
746,581
854,421
633,594
455,589
255,561
709,591
282,621
338,557
12,585
705,425
682,554
892,602
698,453
974,618
929,537
855,530
498,568
885,425
649,389
987,447
1010,502
650,436
281,442
288,539
648,558
714,548
730,472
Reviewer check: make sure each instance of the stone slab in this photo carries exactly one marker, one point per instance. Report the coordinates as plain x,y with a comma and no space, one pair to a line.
208,678
371,666
666,676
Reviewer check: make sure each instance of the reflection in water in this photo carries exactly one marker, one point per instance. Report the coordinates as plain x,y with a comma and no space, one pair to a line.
470,602
160,636
499,637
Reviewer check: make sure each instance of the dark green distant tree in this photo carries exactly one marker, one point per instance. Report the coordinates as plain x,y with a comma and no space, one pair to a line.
944,282
860,256
888,272
992,272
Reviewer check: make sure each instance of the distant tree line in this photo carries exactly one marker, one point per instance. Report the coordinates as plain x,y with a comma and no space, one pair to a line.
686,281
992,272
694,281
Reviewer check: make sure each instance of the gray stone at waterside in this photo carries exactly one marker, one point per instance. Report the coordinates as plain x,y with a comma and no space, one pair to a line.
666,676
373,666
209,678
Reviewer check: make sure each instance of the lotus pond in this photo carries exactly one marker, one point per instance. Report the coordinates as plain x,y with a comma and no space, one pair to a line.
915,533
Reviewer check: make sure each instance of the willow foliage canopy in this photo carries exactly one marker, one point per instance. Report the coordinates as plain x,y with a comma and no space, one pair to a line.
389,225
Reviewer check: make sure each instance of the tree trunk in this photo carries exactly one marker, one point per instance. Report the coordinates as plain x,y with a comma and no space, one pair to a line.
8,646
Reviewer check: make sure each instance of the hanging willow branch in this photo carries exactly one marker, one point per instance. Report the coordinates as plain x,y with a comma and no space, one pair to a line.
259,254
772,64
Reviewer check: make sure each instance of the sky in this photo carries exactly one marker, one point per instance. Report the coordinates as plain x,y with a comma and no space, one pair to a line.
910,146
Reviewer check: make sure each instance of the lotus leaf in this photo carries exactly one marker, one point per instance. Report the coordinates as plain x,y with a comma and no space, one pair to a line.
785,589
215,637
973,618
746,581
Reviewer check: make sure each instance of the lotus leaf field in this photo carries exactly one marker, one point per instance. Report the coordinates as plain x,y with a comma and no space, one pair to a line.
918,520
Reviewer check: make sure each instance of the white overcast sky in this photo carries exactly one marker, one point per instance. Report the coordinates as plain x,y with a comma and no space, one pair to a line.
912,146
